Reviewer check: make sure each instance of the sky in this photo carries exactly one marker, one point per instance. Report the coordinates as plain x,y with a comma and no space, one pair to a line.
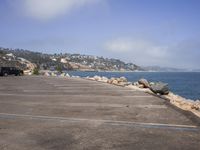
162,33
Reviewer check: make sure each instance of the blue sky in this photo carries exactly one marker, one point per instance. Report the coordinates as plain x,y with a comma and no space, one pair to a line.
145,32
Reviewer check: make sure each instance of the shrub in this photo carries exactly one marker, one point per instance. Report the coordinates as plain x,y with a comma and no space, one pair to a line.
59,69
35,71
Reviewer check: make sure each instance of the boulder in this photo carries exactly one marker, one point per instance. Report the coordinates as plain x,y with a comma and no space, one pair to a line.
53,74
144,82
118,79
112,79
160,88
67,75
97,78
135,83
115,82
128,83
141,86
76,77
122,79
195,106
62,74
124,84
151,83
109,81
47,74
104,79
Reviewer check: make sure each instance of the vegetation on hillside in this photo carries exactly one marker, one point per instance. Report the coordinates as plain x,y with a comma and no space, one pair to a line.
67,61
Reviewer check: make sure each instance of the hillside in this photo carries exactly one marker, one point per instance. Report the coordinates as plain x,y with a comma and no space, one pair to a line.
164,69
18,57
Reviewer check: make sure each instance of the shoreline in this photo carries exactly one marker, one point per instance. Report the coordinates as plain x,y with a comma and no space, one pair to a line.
176,100
172,98
133,71
178,85
66,71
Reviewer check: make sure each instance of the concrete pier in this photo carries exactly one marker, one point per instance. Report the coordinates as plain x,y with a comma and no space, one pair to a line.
44,113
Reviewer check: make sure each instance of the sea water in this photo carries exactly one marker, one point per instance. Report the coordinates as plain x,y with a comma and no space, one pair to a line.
185,84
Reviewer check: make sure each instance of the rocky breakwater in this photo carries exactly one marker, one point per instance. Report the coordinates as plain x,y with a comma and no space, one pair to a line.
163,91
160,89
122,81
54,74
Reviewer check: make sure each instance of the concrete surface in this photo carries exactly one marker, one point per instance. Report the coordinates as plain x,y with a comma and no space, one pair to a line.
40,113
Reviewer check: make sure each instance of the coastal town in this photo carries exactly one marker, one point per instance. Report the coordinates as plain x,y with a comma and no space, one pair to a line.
29,60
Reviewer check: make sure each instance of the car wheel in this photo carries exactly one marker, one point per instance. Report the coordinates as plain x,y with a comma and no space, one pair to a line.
5,74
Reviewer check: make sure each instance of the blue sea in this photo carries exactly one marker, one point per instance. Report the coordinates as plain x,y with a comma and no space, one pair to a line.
185,84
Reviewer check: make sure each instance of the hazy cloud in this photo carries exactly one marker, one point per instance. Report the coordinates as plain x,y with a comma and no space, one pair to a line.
49,9
135,46
48,44
182,54
186,53
119,45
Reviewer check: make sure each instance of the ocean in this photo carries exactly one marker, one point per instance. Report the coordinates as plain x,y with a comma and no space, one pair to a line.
185,84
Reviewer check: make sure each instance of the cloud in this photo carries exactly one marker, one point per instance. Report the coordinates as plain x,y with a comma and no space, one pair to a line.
179,54
136,46
48,44
49,9
186,53
119,45
138,50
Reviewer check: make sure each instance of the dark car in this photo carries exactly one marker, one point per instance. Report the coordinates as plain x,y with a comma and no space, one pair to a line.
4,71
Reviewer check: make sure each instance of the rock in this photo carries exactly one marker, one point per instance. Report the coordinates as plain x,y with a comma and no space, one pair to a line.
195,106
47,74
151,83
109,81
76,77
160,88
144,82
197,102
53,74
141,86
118,79
136,83
90,78
122,79
97,78
104,79
115,82
124,84
112,79
62,74
67,75
128,83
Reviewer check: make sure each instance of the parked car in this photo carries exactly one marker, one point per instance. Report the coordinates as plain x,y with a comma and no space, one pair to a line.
5,71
